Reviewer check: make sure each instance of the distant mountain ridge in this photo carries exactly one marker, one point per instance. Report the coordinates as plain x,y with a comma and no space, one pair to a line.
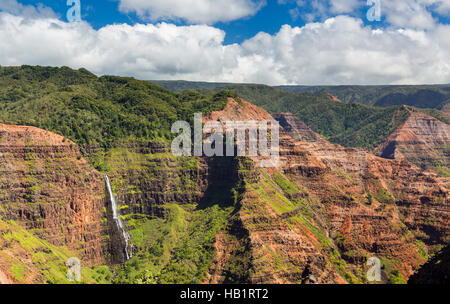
422,140
422,96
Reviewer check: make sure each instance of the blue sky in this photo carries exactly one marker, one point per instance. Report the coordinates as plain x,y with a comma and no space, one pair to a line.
103,12
263,41
268,19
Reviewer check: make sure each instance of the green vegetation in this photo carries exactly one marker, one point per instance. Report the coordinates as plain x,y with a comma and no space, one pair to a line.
36,260
389,267
421,249
177,249
347,124
396,277
177,246
352,125
94,111
384,197
354,122
422,96
442,170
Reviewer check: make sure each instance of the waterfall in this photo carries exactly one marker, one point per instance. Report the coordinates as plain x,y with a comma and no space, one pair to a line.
116,217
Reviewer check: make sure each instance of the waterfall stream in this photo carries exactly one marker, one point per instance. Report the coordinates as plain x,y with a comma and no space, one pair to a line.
116,217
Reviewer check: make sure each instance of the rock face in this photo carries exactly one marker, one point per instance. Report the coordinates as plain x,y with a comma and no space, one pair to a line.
4,279
326,209
48,188
421,140
317,217
296,128
446,108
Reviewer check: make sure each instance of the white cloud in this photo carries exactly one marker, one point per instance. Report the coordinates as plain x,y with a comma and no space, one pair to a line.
192,11
345,6
29,11
339,50
442,7
415,14
144,51
409,13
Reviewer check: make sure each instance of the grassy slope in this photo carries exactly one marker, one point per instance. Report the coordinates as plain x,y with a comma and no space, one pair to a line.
107,113
33,260
423,96
94,111
349,123
353,125
176,248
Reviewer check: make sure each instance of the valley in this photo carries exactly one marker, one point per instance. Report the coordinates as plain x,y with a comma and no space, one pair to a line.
353,182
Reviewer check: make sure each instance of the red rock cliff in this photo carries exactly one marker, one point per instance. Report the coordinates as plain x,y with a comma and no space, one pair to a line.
48,188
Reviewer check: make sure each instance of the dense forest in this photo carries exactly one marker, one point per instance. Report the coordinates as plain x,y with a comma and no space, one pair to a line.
352,124
99,111
347,124
96,111
422,96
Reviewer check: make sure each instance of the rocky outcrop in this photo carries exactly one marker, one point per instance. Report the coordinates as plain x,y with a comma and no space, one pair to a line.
421,140
374,206
343,206
48,188
446,109
314,218
332,97
296,128
4,279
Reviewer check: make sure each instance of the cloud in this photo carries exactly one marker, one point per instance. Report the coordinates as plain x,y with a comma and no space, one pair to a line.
192,11
417,14
409,13
442,7
314,10
345,6
144,51
340,50
28,11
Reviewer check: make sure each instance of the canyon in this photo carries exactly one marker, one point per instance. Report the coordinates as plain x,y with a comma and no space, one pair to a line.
315,218
422,140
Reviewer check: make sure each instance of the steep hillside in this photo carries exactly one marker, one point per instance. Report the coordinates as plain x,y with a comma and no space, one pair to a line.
95,112
344,123
348,124
422,96
315,218
326,209
435,271
50,189
422,140
51,208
